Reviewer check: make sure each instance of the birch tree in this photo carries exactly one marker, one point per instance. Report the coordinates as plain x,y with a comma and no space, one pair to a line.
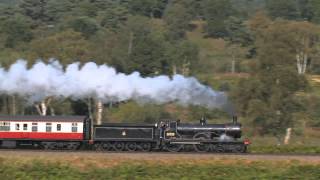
99,111
236,52
298,38
42,107
305,38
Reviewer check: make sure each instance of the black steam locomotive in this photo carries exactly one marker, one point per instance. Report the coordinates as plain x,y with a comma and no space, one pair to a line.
74,132
170,135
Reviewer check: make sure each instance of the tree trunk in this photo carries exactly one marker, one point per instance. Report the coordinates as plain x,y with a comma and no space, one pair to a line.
233,65
99,109
89,108
130,43
304,67
174,69
302,59
288,136
185,68
37,106
8,104
52,112
43,108
14,105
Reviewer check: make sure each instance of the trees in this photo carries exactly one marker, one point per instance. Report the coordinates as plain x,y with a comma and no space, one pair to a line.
237,32
56,10
297,37
182,57
305,37
283,9
35,9
67,46
268,97
177,19
16,29
144,47
115,16
87,26
216,12
314,6
149,8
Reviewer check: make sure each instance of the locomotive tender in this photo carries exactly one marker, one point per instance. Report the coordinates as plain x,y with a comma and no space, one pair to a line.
74,132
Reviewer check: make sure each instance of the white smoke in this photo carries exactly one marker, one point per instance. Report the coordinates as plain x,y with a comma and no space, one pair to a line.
103,82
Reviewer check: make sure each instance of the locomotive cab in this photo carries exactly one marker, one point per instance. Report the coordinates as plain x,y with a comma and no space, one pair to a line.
168,129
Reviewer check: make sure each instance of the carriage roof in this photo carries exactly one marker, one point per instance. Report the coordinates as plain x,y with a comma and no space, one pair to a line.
43,118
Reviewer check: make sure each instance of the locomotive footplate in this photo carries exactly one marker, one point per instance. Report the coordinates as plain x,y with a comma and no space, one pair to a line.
202,141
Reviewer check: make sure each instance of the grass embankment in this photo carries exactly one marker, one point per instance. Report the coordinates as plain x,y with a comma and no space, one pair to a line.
236,169
285,149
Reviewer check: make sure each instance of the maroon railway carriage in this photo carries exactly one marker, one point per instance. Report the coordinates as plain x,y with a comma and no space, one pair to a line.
49,132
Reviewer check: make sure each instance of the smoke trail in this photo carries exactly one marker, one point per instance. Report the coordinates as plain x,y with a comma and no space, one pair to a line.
104,83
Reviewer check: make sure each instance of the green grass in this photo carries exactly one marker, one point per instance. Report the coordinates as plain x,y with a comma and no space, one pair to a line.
285,149
212,170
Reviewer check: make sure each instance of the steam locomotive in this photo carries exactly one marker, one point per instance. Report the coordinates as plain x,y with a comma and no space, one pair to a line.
76,132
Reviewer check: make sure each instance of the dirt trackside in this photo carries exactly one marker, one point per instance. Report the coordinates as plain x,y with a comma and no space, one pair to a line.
109,159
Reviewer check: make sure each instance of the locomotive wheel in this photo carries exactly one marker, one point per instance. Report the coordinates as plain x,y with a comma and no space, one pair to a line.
238,149
218,148
174,147
49,145
53,146
201,147
118,146
46,146
72,146
98,147
131,146
145,146
106,146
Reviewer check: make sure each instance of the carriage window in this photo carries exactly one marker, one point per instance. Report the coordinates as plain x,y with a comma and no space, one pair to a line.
4,126
48,127
74,127
25,127
18,127
58,127
34,127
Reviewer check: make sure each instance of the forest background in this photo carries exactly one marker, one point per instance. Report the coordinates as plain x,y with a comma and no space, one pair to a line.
265,54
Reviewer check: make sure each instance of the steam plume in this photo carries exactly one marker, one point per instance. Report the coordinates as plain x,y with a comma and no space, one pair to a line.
104,83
